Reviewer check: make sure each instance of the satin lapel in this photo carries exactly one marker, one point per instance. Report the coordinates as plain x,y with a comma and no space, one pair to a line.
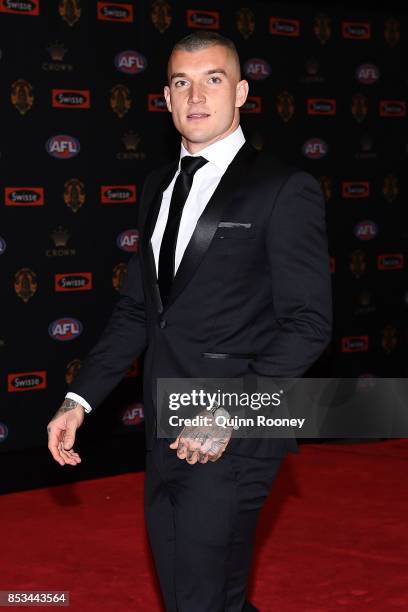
208,221
152,208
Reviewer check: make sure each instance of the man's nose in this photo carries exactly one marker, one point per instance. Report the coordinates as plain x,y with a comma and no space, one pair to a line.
196,94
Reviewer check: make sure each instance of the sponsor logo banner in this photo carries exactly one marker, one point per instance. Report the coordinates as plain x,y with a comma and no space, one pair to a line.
390,261
71,98
209,20
20,7
73,281
354,344
27,381
118,194
24,196
114,11
282,26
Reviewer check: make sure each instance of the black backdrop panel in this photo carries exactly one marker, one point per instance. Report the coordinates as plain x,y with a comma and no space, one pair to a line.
83,121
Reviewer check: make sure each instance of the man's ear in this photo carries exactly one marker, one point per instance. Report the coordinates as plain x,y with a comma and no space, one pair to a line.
241,93
167,97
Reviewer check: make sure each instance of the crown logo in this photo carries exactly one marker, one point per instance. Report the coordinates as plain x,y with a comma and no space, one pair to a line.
57,51
131,141
60,236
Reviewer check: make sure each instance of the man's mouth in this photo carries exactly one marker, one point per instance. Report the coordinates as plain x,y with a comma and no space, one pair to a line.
198,116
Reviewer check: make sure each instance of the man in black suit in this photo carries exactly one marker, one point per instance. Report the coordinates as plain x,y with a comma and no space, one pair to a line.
231,280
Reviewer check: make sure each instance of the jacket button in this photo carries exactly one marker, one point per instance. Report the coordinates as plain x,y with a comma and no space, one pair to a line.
162,323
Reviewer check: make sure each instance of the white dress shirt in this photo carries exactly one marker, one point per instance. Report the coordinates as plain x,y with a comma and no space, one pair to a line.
219,154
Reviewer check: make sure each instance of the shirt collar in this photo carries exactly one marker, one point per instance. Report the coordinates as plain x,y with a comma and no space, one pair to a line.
222,152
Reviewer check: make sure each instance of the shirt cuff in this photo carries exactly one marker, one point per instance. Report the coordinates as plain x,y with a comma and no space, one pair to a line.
80,400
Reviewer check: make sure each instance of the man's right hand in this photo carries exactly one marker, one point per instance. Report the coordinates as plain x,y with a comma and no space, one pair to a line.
61,432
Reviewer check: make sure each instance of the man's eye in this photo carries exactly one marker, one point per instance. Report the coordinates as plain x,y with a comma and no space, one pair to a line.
179,83
215,79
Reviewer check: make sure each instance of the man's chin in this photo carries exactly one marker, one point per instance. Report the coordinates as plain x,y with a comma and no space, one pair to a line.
198,136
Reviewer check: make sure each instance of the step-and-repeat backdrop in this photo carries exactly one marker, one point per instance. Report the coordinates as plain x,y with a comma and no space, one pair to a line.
83,120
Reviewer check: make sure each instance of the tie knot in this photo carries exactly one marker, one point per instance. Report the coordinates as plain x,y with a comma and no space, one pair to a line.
190,164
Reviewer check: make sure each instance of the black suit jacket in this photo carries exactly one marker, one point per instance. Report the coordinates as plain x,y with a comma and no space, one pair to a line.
249,299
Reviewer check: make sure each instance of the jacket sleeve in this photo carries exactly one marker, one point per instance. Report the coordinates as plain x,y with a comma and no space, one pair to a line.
298,260
122,341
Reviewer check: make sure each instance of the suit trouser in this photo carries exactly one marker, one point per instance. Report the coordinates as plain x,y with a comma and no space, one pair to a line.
201,520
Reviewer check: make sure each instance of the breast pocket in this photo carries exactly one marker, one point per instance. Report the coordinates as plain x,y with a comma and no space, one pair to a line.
235,231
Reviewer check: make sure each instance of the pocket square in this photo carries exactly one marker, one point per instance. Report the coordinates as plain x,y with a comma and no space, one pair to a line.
234,224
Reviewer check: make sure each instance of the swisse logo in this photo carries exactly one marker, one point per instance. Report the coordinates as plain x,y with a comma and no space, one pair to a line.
122,194
27,381
321,106
133,414
354,344
130,62
366,230
253,104
282,26
355,189
392,108
209,20
390,261
114,11
367,74
3,245
3,432
156,103
24,196
62,146
73,281
257,69
128,240
357,30
20,7
65,329
71,98
315,148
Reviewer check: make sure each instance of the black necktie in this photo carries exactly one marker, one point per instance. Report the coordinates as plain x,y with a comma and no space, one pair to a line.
188,166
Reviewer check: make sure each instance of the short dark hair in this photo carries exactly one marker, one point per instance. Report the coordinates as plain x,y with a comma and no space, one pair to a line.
202,39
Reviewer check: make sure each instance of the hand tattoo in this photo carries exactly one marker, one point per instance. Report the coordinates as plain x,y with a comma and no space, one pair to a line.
208,439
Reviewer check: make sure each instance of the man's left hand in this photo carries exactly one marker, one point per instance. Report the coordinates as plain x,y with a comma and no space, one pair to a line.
202,443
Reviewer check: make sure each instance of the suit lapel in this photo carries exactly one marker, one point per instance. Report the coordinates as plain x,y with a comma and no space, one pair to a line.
152,208
204,230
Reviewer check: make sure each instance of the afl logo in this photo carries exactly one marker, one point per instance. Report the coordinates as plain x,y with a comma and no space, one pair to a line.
65,329
62,146
3,245
3,432
130,62
315,148
133,414
366,230
257,69
128,240
367,74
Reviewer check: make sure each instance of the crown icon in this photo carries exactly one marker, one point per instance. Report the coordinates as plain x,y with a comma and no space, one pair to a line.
131,141
60,236
57,51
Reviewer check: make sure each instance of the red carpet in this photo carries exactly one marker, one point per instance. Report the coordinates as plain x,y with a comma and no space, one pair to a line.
333,536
